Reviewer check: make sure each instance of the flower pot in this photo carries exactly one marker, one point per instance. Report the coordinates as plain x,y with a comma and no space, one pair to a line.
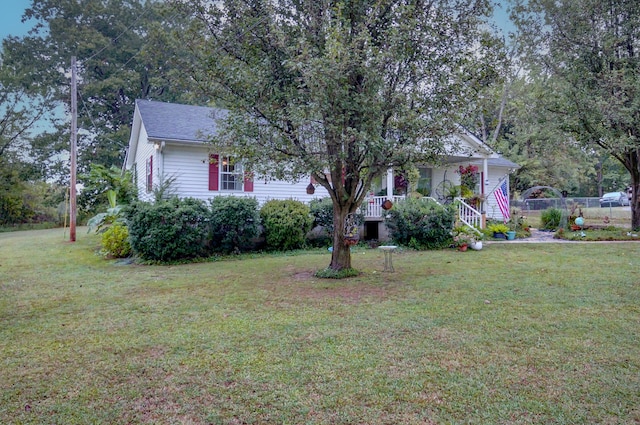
386,205
499,235
463,247
351,240
311,189
511,235
476,246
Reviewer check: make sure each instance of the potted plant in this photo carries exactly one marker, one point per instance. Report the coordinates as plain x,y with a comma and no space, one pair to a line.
476,245
464,237
498,230
513,226
352,237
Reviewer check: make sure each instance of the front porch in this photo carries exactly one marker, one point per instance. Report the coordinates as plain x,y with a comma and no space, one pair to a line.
467,215
471,175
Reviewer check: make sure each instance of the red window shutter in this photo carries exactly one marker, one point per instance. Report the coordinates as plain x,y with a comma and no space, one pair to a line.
248,182
214,175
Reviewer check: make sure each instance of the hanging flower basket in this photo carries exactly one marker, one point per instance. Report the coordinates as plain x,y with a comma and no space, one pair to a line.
351,240
386,205
311,189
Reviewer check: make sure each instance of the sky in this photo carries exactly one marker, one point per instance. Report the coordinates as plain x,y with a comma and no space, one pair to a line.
11,12
10,15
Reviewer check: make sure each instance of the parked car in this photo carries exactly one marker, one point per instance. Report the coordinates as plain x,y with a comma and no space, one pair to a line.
614,199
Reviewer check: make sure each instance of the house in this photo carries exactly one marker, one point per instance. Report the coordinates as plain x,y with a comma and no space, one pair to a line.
169,141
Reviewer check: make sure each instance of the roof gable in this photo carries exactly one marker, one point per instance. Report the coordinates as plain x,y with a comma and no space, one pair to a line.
172,121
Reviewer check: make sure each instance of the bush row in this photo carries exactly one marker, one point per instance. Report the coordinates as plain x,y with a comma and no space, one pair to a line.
421,224
178,229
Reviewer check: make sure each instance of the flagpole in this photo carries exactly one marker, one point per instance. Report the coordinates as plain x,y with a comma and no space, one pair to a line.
506,176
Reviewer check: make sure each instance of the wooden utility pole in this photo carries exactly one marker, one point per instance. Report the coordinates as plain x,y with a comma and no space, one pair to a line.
74,154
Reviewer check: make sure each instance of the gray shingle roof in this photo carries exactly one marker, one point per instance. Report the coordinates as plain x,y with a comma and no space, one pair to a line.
501,162
172,121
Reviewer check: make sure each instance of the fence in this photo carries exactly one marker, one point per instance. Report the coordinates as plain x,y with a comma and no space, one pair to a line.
544,203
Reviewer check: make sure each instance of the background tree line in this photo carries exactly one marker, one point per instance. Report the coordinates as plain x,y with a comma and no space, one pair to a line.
560,98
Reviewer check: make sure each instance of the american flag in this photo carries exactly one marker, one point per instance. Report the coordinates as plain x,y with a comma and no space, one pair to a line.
502,197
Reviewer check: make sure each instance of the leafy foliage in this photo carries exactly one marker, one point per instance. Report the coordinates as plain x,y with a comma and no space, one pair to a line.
322,212
421,224
497,228
99,181
588,50
114,214
24,202
116,44
286,223
329,273
234,223
551,218
340,90
115,241
169,231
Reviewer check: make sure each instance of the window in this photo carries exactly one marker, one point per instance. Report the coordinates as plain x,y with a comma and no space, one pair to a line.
231,175
226,173
424,183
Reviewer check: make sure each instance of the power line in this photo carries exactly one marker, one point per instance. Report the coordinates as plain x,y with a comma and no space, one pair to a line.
126,30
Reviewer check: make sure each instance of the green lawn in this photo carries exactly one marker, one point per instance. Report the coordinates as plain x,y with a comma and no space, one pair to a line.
512,334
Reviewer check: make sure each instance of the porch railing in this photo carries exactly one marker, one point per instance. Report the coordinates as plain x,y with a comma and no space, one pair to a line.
467,214
373,205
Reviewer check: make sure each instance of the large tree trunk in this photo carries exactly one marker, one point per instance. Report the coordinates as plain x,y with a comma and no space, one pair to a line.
341,255
634,170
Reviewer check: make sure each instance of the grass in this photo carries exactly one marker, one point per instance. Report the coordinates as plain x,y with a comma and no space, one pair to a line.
616,216
512,334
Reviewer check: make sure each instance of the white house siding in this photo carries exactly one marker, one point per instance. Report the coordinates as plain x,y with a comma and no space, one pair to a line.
190,165
144,151
496,175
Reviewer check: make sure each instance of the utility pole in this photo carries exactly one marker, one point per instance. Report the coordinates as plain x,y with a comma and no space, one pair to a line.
74,154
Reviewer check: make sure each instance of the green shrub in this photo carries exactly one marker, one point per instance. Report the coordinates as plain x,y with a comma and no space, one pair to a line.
421,224
336,274
234,223
322,212
28,202
115,241
550,218
171,230
286,223
497,228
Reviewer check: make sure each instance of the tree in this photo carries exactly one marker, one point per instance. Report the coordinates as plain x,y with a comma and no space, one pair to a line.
590,51
341,90
532,138
116,45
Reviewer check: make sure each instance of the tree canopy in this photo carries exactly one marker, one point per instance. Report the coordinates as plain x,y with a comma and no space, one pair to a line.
341,90
589,50
120,55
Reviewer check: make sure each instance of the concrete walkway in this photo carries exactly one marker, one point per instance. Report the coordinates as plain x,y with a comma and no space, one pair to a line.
537,236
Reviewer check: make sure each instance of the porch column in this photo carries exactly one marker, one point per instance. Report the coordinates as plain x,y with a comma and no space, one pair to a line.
485,184
390,184
485,173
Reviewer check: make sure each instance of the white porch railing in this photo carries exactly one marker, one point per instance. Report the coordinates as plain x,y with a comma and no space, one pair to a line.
373,205
466,213
469,215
